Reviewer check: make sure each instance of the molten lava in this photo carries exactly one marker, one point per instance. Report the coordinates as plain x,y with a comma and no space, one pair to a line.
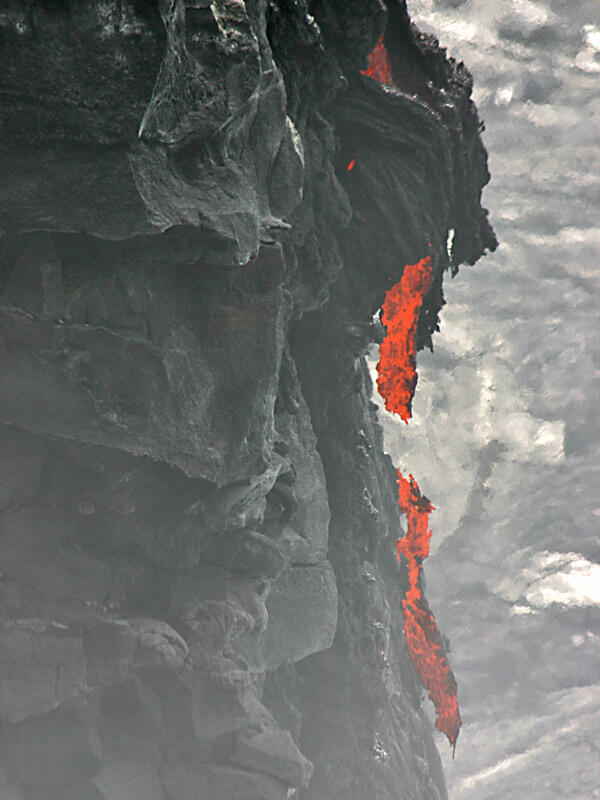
423,637
396,381
397,372
379,65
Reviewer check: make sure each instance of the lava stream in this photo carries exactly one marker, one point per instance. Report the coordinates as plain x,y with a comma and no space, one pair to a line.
379,64
396,381
423,637
397,372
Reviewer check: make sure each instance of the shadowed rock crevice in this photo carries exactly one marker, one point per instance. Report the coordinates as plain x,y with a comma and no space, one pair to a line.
199,593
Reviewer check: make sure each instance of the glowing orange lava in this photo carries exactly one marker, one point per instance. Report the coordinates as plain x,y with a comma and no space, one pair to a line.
379,64
423,638
352,164
396,381
396,370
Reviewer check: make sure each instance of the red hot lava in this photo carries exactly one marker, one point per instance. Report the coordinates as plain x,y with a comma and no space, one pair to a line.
379,65
396,381
423,637
397,372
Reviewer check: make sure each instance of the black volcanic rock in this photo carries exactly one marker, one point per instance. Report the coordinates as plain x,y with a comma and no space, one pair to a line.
199,593
22,458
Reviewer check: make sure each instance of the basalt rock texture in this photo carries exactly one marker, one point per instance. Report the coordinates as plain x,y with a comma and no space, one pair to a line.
199,596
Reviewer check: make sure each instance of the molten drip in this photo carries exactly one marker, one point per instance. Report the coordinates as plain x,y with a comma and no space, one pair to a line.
379,65
423,637
397,371
396,381
352,164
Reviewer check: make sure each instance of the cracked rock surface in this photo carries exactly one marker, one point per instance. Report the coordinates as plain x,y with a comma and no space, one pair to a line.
199,596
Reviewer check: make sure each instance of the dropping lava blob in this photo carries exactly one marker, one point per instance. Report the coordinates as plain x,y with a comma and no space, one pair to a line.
397,367
379,67
423,637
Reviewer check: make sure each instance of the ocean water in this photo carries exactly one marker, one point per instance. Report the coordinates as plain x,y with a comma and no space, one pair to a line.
504,435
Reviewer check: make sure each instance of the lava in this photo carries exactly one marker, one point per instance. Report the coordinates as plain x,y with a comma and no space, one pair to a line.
352,164
423,637
396,370
379,65
396,381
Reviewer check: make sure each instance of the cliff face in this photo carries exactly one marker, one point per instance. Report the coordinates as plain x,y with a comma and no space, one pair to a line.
199,593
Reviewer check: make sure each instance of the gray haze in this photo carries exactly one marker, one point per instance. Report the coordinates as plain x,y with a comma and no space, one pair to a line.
504,436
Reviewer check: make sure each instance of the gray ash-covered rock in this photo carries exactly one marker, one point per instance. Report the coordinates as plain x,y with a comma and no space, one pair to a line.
199,596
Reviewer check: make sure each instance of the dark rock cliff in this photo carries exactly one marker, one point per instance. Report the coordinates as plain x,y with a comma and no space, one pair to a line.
199,596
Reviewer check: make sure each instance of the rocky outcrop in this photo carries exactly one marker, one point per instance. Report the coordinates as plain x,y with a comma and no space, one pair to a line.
199,596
